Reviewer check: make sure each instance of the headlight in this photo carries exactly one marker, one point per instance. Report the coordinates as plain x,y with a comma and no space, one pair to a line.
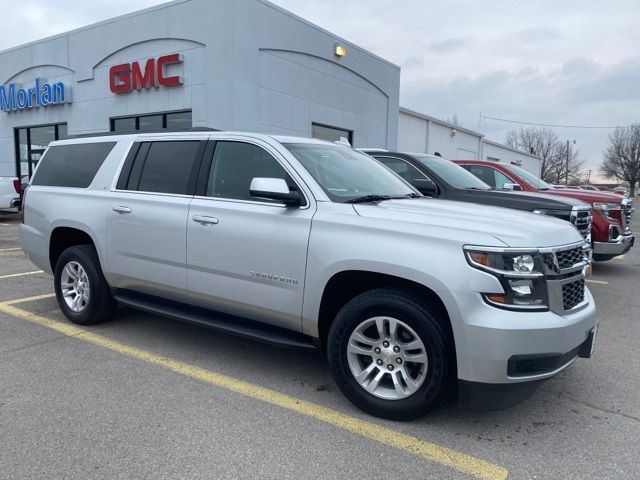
520,273
605,209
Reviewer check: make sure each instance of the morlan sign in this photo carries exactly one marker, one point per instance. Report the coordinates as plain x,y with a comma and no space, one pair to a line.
15,98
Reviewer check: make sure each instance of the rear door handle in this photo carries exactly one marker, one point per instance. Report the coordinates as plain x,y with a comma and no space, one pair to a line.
121,209
204,220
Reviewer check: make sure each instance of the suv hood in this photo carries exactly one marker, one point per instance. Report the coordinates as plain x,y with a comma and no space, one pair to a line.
584,195
529,200
472,221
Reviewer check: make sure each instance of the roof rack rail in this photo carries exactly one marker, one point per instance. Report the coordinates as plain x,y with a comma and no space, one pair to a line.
365,149
160,130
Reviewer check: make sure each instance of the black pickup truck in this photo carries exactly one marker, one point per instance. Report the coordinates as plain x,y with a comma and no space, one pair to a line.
435,176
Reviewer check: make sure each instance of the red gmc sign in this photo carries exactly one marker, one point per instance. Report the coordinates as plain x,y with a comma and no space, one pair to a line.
130,76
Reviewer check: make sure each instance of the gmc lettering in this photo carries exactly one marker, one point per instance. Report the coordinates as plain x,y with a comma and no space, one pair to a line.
129,76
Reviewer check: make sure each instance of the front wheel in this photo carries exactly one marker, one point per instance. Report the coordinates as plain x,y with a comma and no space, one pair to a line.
82,292
390,354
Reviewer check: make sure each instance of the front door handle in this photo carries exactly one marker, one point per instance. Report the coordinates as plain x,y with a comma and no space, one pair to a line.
121,209
204,220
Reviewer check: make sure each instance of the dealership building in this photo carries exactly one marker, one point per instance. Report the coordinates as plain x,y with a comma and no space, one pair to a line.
243,65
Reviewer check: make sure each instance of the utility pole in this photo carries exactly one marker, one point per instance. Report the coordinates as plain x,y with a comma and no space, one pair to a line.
589,177
566,180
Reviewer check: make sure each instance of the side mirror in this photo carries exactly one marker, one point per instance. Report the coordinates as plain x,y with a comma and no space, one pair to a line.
274,189
425,186
512,186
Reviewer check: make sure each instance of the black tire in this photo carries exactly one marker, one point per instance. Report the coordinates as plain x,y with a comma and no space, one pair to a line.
101,304
422,318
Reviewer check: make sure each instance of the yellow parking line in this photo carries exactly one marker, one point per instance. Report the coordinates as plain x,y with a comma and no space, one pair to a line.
12,249
445,456
597,282
20,274
621,257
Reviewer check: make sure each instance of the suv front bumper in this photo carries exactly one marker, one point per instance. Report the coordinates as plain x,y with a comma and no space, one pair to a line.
503,355
617,247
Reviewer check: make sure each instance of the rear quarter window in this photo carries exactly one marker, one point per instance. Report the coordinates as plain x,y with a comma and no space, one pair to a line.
71,165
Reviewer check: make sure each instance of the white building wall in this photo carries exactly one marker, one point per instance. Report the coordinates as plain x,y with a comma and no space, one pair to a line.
412,133
420,133
493,151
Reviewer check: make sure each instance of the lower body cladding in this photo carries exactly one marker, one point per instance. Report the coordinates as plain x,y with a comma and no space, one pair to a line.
504,355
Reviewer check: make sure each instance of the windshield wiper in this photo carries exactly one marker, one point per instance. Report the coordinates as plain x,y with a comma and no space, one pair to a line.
411,195
369,198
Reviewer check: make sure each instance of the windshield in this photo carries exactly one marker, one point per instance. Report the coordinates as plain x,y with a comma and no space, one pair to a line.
530,178
346,174
453,174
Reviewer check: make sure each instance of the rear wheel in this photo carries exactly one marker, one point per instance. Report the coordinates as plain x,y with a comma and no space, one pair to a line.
82,292
390,355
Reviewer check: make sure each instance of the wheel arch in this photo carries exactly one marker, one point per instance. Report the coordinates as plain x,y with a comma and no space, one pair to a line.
347,284
64,236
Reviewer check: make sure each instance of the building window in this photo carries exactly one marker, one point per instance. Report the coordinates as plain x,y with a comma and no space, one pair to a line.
331,134
157,121
31,143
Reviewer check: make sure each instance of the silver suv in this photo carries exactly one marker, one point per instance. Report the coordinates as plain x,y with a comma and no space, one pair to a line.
310,244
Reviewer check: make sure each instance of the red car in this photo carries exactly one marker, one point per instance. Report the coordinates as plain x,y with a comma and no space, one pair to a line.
611,233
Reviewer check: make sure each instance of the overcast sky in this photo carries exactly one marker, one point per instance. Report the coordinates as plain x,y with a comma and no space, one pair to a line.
548,61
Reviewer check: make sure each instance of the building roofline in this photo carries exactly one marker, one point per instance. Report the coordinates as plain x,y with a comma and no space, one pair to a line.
95,24
441,122
327,32
177,2
515,150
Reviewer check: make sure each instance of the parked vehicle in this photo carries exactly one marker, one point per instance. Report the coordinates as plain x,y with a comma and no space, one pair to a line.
621,191
591,188
9,194
440,178
611,233
308,244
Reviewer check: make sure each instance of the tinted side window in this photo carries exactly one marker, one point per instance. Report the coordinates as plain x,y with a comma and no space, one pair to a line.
169,167
403,168
501,179
235,164
72,165
483,173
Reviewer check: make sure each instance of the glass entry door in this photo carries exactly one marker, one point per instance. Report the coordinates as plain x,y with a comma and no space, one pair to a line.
31,143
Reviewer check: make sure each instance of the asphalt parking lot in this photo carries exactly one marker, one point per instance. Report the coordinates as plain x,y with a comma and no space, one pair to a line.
146,397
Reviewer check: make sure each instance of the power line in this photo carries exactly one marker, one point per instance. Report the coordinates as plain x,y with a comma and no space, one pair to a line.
554,125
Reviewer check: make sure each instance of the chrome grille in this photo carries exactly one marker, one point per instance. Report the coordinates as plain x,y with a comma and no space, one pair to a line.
572,294
564,270
627,214
581,219
568,258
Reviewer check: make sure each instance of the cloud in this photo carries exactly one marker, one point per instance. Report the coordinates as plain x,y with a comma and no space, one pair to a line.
570,62
444,46
541,33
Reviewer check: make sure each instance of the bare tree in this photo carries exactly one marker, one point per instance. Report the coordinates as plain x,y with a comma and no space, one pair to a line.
544,143
622,156
557,171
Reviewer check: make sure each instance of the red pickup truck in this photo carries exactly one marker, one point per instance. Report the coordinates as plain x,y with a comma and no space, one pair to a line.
611,233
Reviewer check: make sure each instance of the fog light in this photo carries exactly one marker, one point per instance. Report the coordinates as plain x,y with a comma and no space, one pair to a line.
521,287
614,232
